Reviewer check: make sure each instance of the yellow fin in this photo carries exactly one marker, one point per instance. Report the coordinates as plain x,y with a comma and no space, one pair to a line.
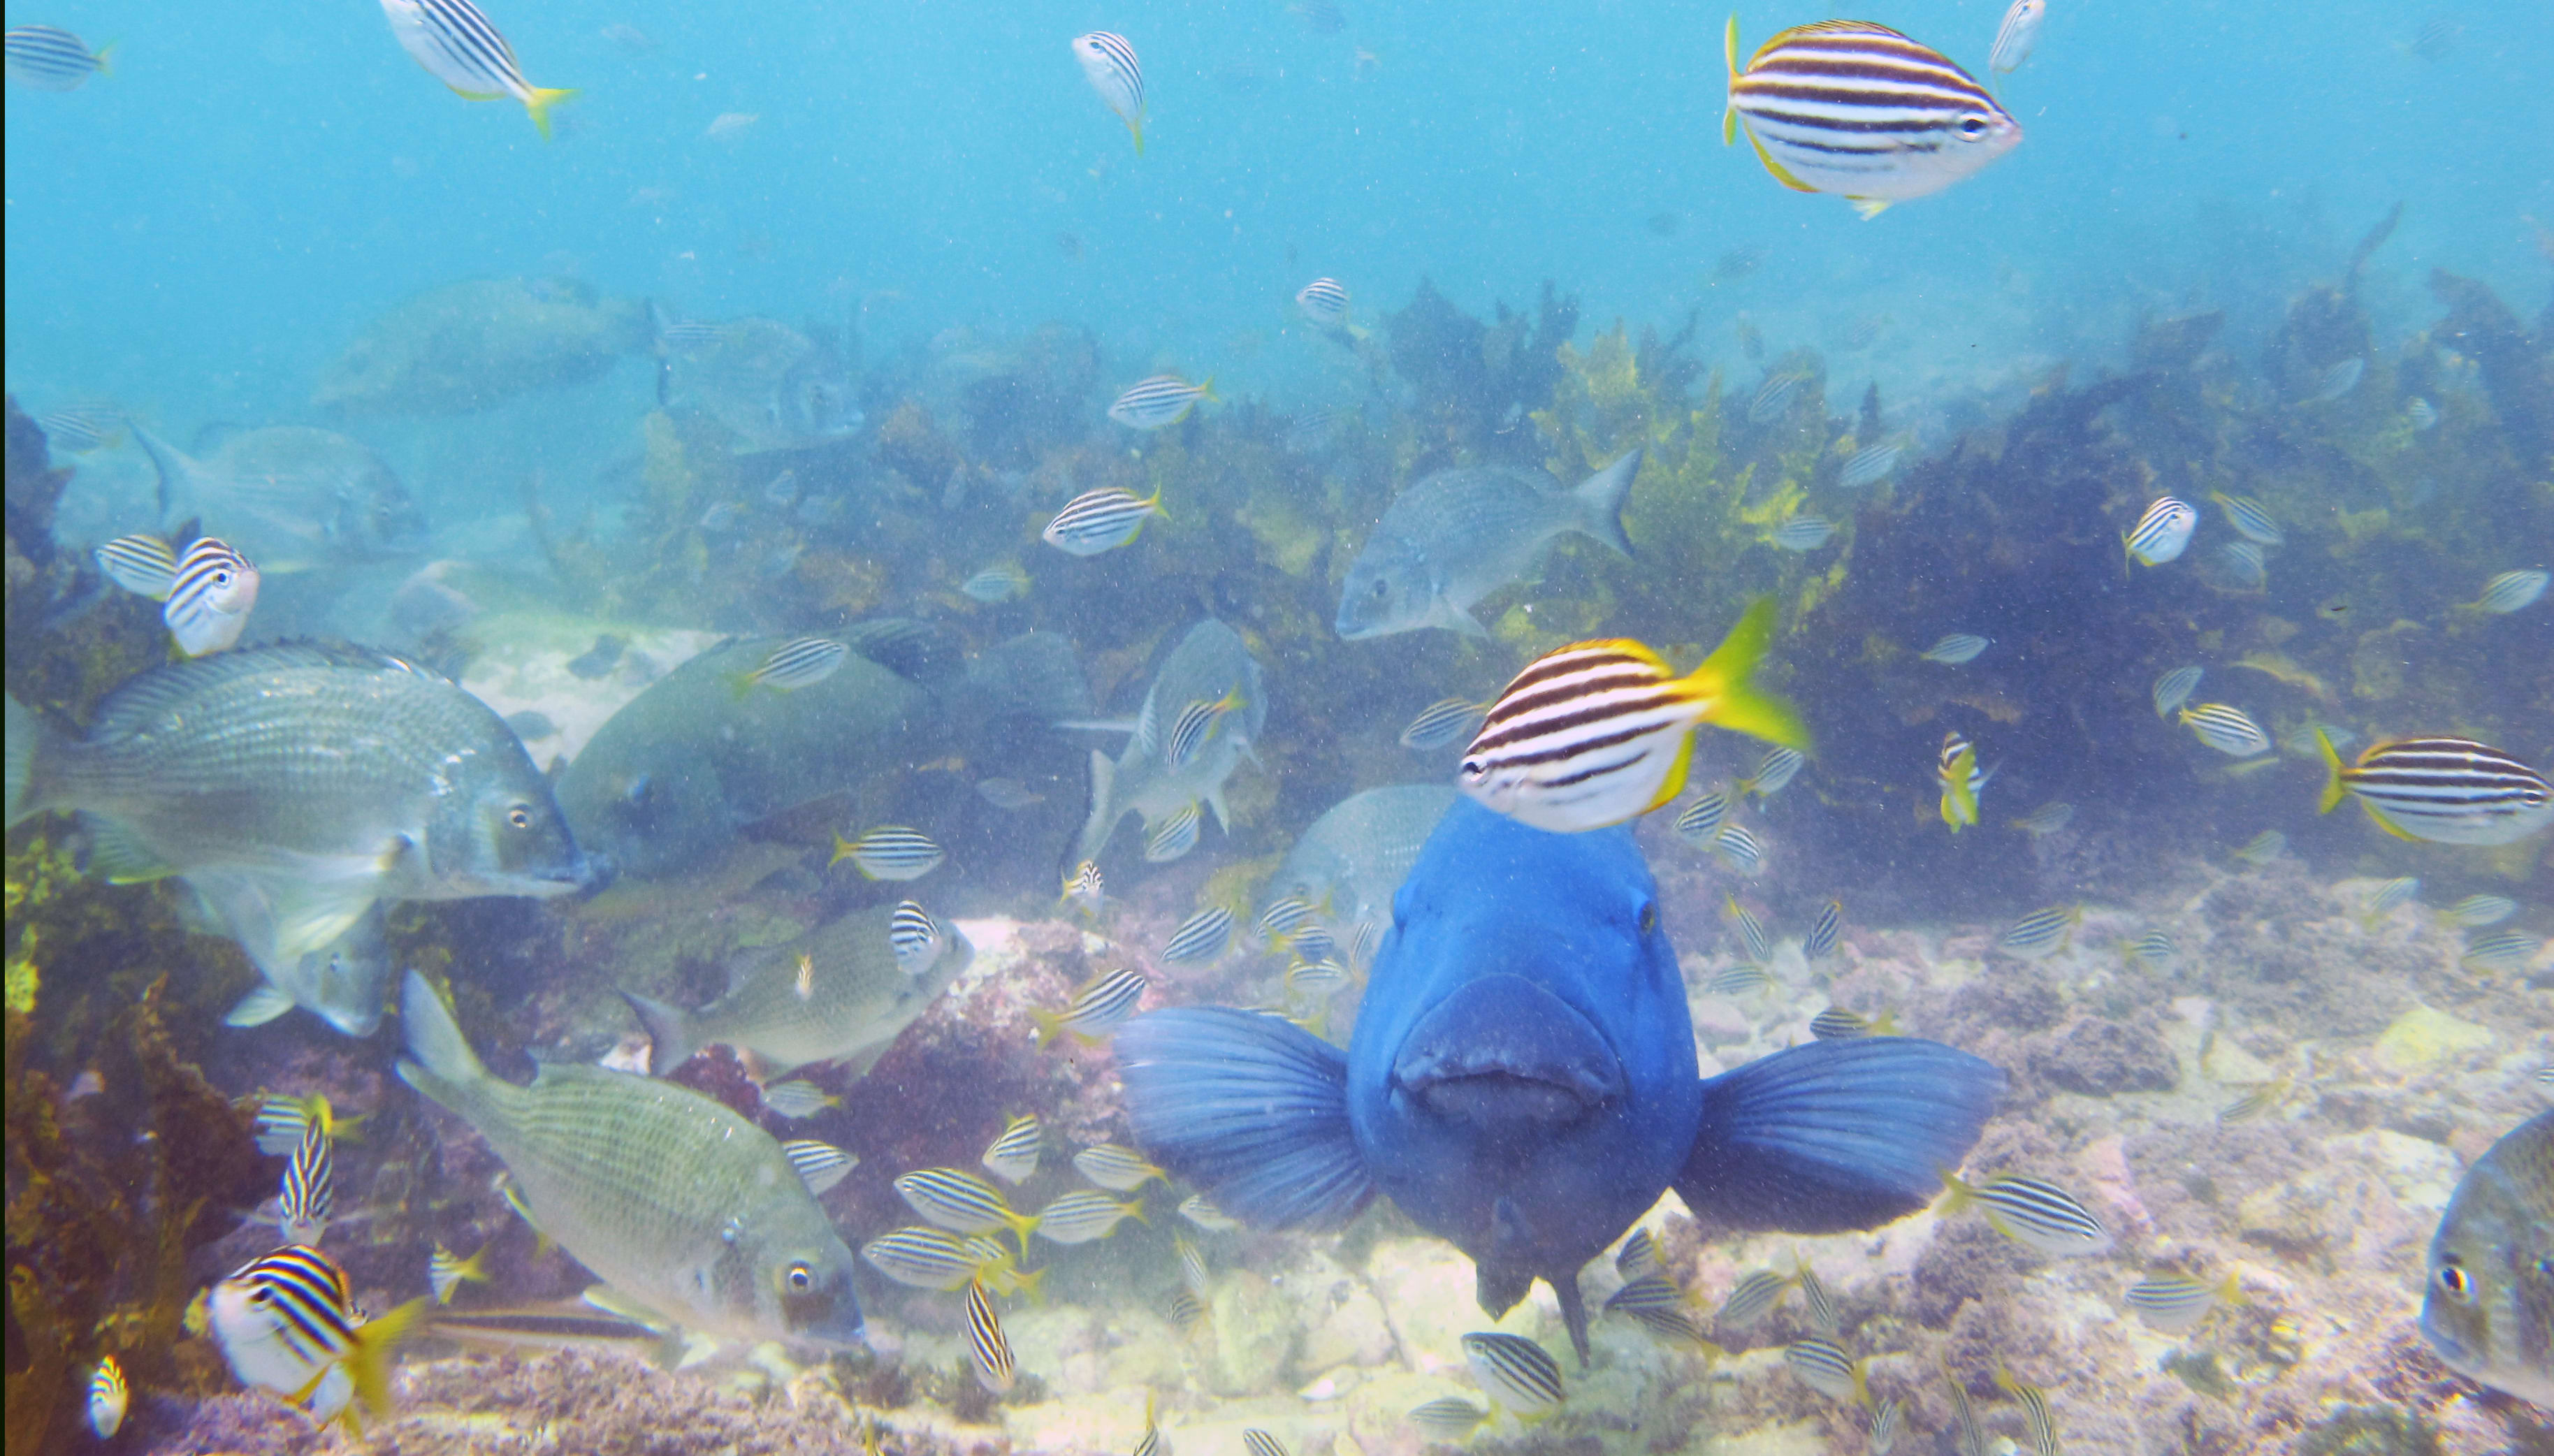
1729,114
1135,124
1724,681
1869,207
369,1363
1674,783
1781,172
540,102
2331,786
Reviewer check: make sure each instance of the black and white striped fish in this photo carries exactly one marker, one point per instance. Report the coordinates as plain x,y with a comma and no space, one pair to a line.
1110,63
2042,933
962,1202
890,851
2451,791
1117,1168
1101,521
819,1165
1095,1010
287,1323
1200,938
1195,725
1823,1366
1871,465
2030,1211
1173,836
1257,1442
1159,401
447,1272
1085,1215
51,58
81,428
2161,532
1773,397
1820,941
2250,518
1859,111
914,938
1751,931
2015,38
1085,888
210,598
1516,1372
458,45
1956,650
798,663
310,1187
1013,1155
2176,1302
2035,1410
1653,1302
142,564
1751,1298
1599,733
1324,301
1774,772
2227,728
2175,688
1737,847
1440,722
1700,823
989,1347
2511,591
923,1257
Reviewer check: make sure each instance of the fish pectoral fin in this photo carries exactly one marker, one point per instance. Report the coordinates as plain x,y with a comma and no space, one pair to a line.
311,918
1252,1109
1833,1136
259,1007
1869,207
477,95
1461,619
120,855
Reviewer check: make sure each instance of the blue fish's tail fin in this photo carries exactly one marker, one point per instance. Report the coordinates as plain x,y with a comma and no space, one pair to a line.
1252,1109
1835,1134
1601,500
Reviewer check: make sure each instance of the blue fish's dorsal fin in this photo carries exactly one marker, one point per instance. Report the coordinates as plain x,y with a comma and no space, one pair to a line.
1835,1134
1250,1108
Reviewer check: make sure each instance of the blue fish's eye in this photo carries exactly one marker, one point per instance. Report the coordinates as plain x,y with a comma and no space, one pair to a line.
1648,919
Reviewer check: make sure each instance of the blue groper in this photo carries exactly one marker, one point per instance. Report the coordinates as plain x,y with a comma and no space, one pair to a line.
1522,1082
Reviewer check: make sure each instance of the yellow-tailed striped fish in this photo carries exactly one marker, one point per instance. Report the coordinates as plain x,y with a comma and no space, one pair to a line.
209,598
1969,1438
1194,725
1084,888
1859,111
1013,1156
2388,895
142,564
1199,1210
1752,1297
986,1345
1098,1005
1820,941
800,662
2036,1415
1315,978
1739,981
2175,1303
2262,848
1158,403
1774,397
1200,938
1118,1168
1599,732
309,1188
1324,301
1257,1442
1515,1372
2475,911
1173,835
1836,1024
2511,591
997,584
1110,63
2047,819
1955,649
1449,1419
1283,917
1085,1214
963,1204
1185,1310
1886,1423
797,1098
2030,1211
2226,728
2452,791
819,1166
1823,1366
1638,1255
890,851
1739,848
458,45
924,1258
2250,518
447,1272
1871,465
1956,766
914,938
2154,952
2161,533
287,1323
1751,931
282,1119
2175,688
1813,1292
1803,533
1440,722
2042,933
2016,36
51,58
2501,950
1653,1302
1774,772
108,1395
1699,823
1101,521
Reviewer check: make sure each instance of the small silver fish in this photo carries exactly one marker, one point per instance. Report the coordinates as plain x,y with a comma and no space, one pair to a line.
2226,728
797,1098
1013,1156
1159,401
1202,936
2015,38
1101,521
890,851
2032,1212
1803,533
1109,62
1956,650
2161,532
2511,589
1516,1372
2175,688
1439,724
1008,793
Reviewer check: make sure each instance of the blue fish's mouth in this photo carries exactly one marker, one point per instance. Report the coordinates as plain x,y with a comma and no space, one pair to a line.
1503,1052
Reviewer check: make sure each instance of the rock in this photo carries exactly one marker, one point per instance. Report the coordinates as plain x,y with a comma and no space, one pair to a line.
2343,1213
2422,1036
1343,1324
2099,1056
2421,1174
1252,1325
1428,1294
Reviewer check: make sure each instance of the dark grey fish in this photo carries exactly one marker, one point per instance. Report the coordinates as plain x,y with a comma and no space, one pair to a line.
472,346
2490,1308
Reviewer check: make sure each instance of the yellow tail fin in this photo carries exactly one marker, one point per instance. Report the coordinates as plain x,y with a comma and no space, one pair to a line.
2331,786
1724,681
1729,114
540,103
369,1362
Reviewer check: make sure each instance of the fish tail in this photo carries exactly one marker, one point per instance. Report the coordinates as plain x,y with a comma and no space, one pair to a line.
2331,786
439,1061
2231,1291
1136,125
669,1030
1961,1195
1135,1210
1723,681
175,489
540,102
26,733
1729,114
1105,811
1032,1283
1250,1109
1050,1027
842,851
103,51
369,1362
1601,500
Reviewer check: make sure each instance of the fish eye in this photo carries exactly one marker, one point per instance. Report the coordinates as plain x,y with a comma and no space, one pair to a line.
2453,1280
1973,126
521,816
1381,589
801,1279
1648,919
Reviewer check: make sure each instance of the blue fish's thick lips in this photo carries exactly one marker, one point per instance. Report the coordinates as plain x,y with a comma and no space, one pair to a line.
1504,1050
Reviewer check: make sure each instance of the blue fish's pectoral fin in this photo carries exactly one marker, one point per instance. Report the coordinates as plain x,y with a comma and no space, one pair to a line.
259,1007
1835,1136
1250,1108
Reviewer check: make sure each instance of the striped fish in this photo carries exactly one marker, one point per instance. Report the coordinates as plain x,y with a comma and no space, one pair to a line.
2475,911
287,1323
1752,1297
1751,931
1173,836
51,58
1440,722
1200,938
1312,941
2385,897
1109,64
81,428
2175,688
1656,1304
1599,732
798,1097
1955,649
2034,1411
2511,591
309,1188
2047,819
1013,1156
819,1165
1859,111
1820,941
1101,521
2250,518
1361,942
447,1272
1199,1210
1324,301
2041,933
1774,397
1085,1214
1638,1255
108,1395
1956,766
1516,1372
2032,1212
1259,1443
890,851
1699,823
986,1345
1869,465
1158,403
142,564
2176,1302
1315,978
1084,888
996,585
2260,1099
1739,981
1740,850
1195,725
2245,566
1185,1310
2161,533
2154,950
1283,918
1118,1168
1824,1367
798,663
1823,1317
2264,847
2016,36
1449,1417
2423,415
1095,1010
1803,533
924,1258
963,1204
458,45
1969,1437
1884,1425
282,1120
209,598
2338,380
2226,728
2501,950
2451,791
1774,773
913,938
1836,1024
